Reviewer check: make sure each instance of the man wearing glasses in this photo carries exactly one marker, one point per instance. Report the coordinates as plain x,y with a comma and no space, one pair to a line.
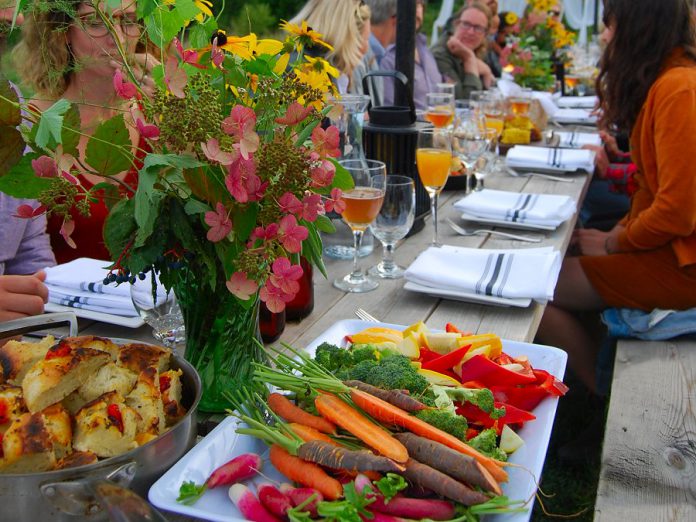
460,51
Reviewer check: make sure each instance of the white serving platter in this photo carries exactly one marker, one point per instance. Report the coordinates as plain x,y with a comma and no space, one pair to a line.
223,444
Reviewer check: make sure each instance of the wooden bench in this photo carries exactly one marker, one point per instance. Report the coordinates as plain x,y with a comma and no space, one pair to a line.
648,469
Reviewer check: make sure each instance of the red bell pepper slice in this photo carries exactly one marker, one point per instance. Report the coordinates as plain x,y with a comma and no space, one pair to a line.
476,415
447,361
426,354
480,368
450,328
524,397
552,385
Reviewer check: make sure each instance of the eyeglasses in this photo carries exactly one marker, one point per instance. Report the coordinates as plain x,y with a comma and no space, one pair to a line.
479,29
555,13
94,26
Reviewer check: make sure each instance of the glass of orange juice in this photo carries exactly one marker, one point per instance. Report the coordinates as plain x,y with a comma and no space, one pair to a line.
440,108
433,159
363,203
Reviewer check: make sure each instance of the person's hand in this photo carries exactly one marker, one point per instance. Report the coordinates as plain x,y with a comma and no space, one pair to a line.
610,143
22,295
142,66
601,160
486,73
461,51
590,242
6,14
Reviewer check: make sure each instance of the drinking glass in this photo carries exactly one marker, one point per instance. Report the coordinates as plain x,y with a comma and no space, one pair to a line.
520,103
440,108
469,140
393,223
433,159
487,158
445,87
159,309
493,106
363,203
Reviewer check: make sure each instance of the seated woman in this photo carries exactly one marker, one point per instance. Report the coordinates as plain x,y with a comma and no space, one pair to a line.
345,25
459,52
75,59
647,83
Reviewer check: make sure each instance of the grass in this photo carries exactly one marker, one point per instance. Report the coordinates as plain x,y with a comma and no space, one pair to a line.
572,489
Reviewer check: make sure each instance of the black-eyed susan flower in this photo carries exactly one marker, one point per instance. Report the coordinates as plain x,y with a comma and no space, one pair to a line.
306,36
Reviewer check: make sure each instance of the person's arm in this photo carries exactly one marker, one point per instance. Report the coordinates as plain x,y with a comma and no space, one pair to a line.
464,83
34,252
621,177
22,295
672,212
387,64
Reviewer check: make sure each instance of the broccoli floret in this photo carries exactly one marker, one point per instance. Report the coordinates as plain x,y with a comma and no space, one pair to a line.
359,372
332,358
364,352
451,423
483,398
397,373
487,443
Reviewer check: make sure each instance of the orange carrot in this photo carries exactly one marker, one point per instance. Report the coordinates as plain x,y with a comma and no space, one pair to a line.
338,412
305,473
285,409
390,414
307,433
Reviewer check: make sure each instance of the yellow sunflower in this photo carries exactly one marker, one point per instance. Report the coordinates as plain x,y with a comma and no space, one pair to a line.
322,66
305,34
204,8
511,18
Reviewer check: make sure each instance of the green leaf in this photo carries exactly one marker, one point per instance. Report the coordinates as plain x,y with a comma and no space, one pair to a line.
193,206
305,133
200,34
163,25
390,485
10,114
190,492
11,148
187,9
70,134
342,179
145,7
324,224
312,249
177,161
113,4
119,227
245,221
51,122
107,148
111,195
21,182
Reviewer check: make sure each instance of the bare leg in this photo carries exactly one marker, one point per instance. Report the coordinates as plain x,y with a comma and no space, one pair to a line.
560,327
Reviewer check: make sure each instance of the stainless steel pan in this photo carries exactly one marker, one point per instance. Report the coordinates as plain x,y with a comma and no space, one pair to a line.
108,488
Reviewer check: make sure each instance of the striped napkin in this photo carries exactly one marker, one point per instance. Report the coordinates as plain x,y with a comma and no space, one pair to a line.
516,207
80,284
577,102
550,158
577,116
530,273
577,140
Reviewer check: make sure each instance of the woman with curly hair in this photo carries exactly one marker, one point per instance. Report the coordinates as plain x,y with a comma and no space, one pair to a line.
66,51
345,25
460,52
647,84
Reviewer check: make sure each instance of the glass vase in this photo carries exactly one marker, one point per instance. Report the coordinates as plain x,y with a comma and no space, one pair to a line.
222,338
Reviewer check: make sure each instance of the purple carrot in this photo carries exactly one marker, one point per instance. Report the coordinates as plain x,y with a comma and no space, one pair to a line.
273,499
248,505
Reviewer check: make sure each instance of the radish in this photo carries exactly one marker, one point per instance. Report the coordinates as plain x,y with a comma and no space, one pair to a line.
416,508
248,505
273,499
238,469
299,496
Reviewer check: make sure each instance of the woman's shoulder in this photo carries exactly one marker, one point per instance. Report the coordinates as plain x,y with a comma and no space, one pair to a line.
40,104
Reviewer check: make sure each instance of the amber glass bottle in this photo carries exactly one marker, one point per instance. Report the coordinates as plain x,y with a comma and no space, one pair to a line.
271,324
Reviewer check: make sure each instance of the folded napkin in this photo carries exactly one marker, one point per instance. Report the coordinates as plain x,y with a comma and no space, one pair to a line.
576,140
534,209
548,158
530,273
579,116
577,102
80,284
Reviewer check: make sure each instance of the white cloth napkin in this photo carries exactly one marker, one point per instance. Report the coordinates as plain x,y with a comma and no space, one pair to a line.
549,158
529,273
80,284
576,140
535,209
577,102
578,116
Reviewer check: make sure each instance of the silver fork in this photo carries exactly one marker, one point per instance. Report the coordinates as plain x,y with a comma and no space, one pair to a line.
365,316
465,232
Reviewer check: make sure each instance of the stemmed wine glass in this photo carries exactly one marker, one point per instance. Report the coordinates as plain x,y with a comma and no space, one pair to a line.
433,159
159,309
393,223
363,203
470,140
440,108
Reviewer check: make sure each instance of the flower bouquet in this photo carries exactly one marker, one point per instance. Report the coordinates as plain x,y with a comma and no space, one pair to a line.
235,175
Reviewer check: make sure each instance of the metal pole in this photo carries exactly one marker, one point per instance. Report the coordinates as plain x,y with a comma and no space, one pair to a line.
405,47
595,25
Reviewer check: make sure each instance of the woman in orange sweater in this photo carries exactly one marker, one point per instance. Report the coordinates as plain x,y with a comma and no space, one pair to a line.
647,83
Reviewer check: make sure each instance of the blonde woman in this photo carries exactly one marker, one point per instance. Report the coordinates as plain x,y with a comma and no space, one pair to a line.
75,57
459,53
345,24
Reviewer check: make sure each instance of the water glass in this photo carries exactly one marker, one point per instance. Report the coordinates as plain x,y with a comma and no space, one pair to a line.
469,139
486,161
158,308
393,223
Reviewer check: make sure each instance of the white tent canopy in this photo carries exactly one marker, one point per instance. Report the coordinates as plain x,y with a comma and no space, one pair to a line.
579,14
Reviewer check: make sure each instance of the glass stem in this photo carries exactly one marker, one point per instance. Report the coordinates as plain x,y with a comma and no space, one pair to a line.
357,240
388,257
433,210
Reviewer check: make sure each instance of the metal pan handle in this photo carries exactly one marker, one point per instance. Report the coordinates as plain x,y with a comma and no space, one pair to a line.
38,322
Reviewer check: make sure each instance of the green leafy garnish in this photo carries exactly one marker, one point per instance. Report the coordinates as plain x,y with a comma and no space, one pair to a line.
190,492
348,510
390,485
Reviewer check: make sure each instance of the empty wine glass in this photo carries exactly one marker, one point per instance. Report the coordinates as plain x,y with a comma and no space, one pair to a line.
363,202
469,140
159,309
487,158
393,223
